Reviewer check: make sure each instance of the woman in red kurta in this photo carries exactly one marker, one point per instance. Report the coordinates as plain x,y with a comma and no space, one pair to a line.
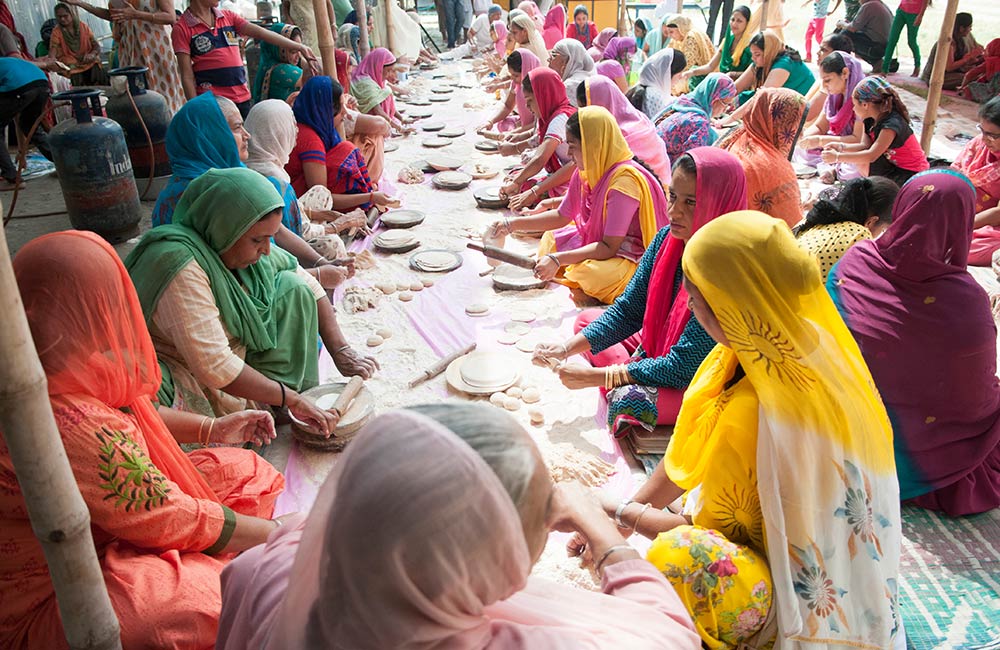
164,522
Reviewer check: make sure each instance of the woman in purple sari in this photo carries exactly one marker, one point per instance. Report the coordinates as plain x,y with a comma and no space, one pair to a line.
927,334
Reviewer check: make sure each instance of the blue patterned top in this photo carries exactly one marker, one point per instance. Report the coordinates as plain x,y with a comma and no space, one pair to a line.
624,318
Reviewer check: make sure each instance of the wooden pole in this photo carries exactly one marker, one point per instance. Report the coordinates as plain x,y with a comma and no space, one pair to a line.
937,76
59,515
390,36
362,11
324,33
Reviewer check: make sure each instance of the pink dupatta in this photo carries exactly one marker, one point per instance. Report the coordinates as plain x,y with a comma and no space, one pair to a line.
371,67
528,63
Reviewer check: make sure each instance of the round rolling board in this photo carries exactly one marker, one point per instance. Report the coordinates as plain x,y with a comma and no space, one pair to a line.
435,260
489,198
487,146
804,171
396,241
508,277
480,171
482,373
432,126
452,133
435,142
439,98
442,90
451,180
390,146
423,166
418,113
360,411
443,162
402,218
417,101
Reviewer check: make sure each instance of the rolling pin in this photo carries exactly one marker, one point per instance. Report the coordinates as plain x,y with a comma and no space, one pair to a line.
441,365
347,396
495,253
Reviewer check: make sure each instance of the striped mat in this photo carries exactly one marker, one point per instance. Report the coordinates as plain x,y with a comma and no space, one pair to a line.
950,581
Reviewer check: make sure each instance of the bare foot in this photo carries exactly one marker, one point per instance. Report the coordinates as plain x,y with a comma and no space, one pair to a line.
828,177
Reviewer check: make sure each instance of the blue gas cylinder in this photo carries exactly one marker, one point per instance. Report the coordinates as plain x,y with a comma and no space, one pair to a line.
155,112
95,171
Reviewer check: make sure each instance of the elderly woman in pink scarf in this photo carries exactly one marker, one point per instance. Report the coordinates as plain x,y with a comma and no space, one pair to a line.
639,132
369,86
463,504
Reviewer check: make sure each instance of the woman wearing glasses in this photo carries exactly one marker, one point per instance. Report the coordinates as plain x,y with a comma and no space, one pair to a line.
980,161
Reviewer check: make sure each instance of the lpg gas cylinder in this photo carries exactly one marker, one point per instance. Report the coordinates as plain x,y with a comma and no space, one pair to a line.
155,114
95,171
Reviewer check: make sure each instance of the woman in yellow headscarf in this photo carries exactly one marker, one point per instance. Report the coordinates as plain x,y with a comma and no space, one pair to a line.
612,211
696,46
784,451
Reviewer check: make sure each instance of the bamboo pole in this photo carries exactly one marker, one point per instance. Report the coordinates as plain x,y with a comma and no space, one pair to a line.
324,34
362,11
59,515
390,36
937,76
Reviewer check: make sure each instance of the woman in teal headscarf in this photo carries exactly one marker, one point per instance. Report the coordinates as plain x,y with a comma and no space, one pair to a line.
641,30
687,123
278,72
233,318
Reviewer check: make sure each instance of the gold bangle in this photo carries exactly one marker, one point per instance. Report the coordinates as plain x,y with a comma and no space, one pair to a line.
201,429
208,438
645,507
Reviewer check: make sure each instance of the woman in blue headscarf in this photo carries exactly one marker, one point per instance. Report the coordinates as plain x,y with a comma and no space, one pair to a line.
322,157
278,73
349,39
687,123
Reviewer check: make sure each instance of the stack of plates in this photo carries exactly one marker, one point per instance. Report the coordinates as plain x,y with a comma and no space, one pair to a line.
436,143
396,241
482,373
451,180
402,218
443,163
324,397
435,260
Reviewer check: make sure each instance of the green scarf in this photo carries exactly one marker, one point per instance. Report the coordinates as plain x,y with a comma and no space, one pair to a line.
271,312
726,64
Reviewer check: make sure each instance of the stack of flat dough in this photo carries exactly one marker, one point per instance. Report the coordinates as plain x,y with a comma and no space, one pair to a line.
482,373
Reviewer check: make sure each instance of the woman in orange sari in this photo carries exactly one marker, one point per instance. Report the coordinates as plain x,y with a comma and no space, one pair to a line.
762,144
164,522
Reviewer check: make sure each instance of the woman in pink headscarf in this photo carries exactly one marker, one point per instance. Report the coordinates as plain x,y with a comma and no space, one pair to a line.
615,72
555,25
499,36
604,37
534,13
369,86
520,63
638,130
463,504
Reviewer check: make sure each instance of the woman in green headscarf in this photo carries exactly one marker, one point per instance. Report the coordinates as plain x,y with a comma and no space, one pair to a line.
278,73
734,55
233,318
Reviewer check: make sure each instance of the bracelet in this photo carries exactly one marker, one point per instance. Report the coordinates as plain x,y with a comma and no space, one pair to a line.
621,510
321,260
607,554
208,438
555,259
534,190
645,507
201,427
282,386
342,348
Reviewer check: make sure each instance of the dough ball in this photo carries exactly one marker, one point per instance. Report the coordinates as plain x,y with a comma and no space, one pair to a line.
477,309
511,403
375,341
530,395
416,286
536,416
386,287
384,332
406,296
498,399
427,282
514,391
402,286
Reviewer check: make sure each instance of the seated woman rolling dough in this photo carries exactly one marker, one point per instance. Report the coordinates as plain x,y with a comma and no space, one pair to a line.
159,517
520,63
783,402
452,571
645,348
609,216
545,95
322,157
234,319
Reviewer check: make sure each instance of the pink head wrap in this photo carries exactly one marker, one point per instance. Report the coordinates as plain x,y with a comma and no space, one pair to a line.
528,63
500,28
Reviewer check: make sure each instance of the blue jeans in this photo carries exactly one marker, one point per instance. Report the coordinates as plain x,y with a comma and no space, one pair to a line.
454,12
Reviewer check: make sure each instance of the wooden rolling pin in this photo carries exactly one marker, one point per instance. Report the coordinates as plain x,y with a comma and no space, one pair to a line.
441,365
347,396
495,253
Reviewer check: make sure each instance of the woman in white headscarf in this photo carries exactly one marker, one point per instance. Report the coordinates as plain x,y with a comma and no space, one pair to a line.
272,128
652,94
526,35
570,59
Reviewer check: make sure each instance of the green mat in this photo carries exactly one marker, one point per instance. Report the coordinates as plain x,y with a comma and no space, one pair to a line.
949,588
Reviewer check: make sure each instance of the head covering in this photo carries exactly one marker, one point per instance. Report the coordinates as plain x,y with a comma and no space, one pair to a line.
555,25
272,129
991,64
580,9
714,87
550,97
372,67
646,26
819,422
639,132
450,572
528,63
608,165
46,30
762,143
774,47
613,71
314,108
603,38
666,316
982,166
579,65
373,64
655,71
92,340
619,48
535,42
76,35
872,89
839,109
534,12
349,39
494,9
681,22
733,49
270,56
582,35
198,139
343,60
500,28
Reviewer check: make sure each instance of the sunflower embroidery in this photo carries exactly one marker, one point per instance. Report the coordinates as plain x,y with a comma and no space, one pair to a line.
737,511
757,338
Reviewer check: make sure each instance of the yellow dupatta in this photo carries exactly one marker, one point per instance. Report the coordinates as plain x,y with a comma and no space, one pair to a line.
826,478
604,147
